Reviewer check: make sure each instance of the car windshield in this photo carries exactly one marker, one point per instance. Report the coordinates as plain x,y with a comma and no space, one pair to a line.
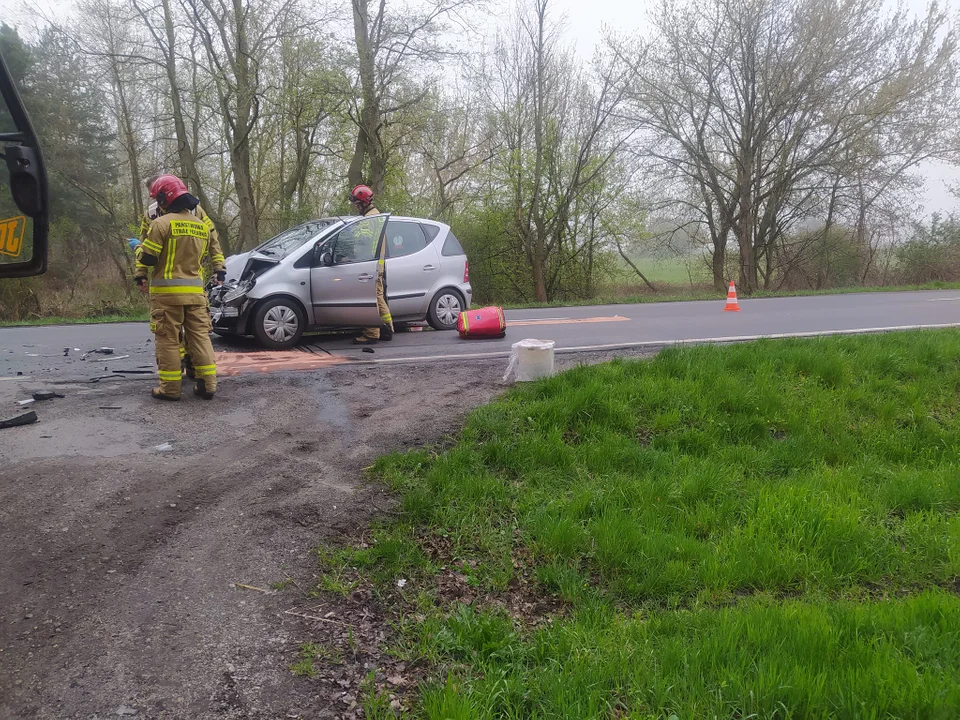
289,240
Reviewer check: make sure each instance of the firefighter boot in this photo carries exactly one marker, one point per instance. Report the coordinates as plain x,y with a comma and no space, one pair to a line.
196,323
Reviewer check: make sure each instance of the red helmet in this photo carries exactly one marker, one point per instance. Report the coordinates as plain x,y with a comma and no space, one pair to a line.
361,194
167,188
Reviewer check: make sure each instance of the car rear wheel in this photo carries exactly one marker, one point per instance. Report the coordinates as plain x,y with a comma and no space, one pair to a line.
444,310
279,324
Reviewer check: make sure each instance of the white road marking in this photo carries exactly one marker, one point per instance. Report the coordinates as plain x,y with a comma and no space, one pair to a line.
944,299
518,320
668,343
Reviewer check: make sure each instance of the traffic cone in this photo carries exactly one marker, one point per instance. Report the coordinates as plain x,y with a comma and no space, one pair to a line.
732,305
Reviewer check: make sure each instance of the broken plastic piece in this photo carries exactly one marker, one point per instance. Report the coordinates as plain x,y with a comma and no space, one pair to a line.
163,447
369,350
28,401
25,419
46,395
118,357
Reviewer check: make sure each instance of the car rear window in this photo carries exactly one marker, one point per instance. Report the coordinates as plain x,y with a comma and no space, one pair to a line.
404,238
431,231
451,246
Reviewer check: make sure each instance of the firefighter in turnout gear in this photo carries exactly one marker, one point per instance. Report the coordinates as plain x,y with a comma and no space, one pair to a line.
153,212
172,256
362,199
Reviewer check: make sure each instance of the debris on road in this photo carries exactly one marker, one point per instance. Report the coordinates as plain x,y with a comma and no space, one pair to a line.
163,447
27,418
28,401
111,407
118,357
369,350
251,587
134,372
102,351
46,395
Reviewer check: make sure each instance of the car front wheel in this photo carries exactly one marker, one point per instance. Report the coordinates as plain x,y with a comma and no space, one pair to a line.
279,324
444,310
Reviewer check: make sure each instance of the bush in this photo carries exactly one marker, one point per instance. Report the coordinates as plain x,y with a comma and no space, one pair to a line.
932,254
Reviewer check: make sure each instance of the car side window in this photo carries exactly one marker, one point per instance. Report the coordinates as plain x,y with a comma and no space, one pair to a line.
404,238
358,242
431,231
451,246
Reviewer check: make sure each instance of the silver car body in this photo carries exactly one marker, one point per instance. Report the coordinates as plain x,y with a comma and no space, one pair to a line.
425,269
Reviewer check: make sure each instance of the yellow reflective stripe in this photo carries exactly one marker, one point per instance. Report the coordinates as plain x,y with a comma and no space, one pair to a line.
208,222
466,322
150,245
387,318
170,375
205,370
140,265
171,257
196,282
176,290
189,228
218,258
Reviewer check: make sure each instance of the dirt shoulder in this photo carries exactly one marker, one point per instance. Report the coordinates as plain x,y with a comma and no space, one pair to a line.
121,565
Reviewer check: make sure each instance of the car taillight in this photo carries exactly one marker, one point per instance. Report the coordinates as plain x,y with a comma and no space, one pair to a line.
466,271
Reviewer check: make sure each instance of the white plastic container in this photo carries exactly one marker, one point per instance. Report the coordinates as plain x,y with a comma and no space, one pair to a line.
531,359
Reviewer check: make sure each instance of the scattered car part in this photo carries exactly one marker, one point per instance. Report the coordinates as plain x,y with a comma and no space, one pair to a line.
46,395
27,418
28,401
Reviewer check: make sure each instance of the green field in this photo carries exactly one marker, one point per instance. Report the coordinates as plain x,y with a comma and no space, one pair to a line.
766,530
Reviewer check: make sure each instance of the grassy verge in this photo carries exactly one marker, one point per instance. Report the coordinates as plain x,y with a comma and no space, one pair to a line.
766,530
132,317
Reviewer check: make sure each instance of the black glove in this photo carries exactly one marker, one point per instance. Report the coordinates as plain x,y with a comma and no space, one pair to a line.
221,275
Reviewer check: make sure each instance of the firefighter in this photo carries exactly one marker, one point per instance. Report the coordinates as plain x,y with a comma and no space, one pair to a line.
362,199
153,212
174,248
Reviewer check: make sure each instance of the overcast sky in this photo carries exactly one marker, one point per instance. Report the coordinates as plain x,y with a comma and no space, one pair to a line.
585,20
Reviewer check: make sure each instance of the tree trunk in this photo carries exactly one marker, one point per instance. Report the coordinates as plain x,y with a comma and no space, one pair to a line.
368,145
188,164
720,263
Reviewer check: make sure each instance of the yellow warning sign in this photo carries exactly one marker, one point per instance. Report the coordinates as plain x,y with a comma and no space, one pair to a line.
11,236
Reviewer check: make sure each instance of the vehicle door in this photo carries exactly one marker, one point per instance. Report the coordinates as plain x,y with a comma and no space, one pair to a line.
343,275
413,266
24,213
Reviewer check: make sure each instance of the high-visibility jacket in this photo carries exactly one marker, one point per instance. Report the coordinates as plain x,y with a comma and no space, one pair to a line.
175,248
213,249
381,266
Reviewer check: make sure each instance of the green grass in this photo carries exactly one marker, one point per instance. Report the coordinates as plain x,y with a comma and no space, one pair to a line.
54,320
764,530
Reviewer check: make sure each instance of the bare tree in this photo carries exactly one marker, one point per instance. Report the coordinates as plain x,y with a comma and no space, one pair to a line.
750,107
560,132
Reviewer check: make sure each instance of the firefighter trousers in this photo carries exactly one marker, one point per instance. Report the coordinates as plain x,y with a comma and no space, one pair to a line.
167,321
385,317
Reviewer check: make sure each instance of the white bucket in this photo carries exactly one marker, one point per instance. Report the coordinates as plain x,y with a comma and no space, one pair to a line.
531,359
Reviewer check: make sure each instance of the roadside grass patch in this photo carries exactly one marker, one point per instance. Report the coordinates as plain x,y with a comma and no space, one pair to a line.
759,530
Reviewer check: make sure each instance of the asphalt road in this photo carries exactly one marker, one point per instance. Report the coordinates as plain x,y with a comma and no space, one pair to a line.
40,351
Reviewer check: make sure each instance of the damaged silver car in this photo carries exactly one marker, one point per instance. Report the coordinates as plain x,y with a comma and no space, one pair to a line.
321,275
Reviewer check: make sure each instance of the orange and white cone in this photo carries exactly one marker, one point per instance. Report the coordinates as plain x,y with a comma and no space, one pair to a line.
732,305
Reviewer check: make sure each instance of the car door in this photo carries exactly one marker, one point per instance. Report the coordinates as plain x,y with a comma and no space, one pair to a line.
343,276
413,267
